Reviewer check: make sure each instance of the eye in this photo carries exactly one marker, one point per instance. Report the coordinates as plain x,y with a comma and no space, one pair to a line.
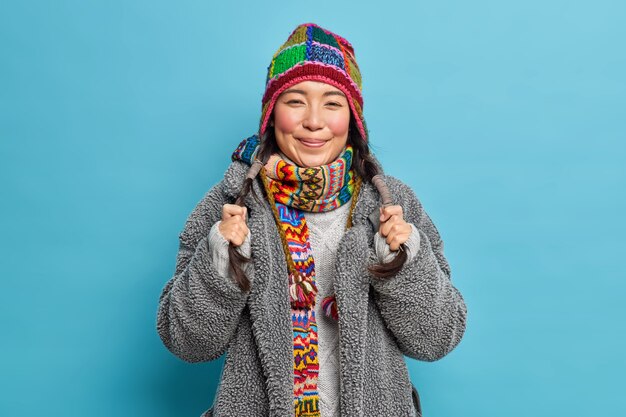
333,104
294,101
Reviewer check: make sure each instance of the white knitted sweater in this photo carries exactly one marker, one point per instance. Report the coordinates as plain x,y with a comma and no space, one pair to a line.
325,232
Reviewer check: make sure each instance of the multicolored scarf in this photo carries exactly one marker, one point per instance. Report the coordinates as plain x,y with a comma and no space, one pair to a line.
293,190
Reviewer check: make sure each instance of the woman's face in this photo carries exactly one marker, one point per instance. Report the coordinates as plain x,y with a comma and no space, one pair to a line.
311,122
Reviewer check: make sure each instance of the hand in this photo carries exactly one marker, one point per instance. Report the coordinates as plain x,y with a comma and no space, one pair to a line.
393,227
233,226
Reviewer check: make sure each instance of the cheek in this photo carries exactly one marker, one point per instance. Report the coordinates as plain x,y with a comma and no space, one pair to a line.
339,124
285,121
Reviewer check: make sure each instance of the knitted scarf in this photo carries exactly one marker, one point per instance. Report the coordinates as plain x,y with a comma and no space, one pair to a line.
293,190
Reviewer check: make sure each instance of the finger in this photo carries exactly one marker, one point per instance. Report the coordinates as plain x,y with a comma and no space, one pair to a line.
241,227
243,234
387,212
240,211
235,223
236,237
385,228
229,210
395,227
396,240
235,220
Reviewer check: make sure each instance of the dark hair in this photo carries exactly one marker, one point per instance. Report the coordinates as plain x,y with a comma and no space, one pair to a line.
365,167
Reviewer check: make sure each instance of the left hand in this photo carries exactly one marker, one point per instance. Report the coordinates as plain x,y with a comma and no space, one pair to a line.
393,227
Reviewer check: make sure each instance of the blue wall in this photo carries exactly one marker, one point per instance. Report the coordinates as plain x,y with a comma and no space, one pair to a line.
507,118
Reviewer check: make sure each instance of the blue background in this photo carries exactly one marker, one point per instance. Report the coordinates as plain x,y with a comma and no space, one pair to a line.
507,118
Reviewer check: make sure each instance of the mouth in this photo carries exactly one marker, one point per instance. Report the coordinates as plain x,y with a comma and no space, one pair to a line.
312,143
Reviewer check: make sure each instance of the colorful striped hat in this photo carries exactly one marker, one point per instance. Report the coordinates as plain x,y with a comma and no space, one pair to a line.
312,53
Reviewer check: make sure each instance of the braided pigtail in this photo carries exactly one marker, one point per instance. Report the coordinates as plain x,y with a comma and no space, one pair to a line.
368,170
236,259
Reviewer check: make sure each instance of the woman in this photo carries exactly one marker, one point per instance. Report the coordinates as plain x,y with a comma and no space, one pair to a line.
310,269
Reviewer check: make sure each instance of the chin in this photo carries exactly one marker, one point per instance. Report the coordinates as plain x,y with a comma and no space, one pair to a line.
313,161
309,164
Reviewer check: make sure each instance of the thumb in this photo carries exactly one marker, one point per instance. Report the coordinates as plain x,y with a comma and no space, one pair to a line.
384,215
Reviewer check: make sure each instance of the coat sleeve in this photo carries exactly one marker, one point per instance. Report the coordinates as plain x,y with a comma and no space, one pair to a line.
420,306
199,308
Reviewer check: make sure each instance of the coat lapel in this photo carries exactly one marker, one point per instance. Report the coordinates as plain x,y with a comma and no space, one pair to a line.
268,301
352,285
270,312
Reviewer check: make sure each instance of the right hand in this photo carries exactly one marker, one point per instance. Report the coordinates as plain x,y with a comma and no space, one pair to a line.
233,225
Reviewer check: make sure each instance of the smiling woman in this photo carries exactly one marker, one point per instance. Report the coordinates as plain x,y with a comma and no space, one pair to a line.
311,123
317,289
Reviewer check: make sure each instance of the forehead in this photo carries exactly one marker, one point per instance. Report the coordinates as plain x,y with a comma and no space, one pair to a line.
313,87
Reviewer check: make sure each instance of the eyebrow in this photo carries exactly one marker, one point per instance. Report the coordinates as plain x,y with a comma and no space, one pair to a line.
328,93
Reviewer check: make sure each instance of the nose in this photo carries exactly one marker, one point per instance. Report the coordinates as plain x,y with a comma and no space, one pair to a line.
313,119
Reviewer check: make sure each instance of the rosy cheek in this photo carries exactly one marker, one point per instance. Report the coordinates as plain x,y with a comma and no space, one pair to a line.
285,121
339,124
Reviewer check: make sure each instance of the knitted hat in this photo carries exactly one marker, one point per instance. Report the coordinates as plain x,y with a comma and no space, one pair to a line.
312,53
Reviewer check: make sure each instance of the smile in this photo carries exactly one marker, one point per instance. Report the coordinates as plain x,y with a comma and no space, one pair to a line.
312,143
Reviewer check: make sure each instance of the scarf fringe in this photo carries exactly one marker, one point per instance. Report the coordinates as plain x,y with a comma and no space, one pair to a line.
329,305
302,292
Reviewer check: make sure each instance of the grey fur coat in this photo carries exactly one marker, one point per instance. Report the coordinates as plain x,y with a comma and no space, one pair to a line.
418,312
